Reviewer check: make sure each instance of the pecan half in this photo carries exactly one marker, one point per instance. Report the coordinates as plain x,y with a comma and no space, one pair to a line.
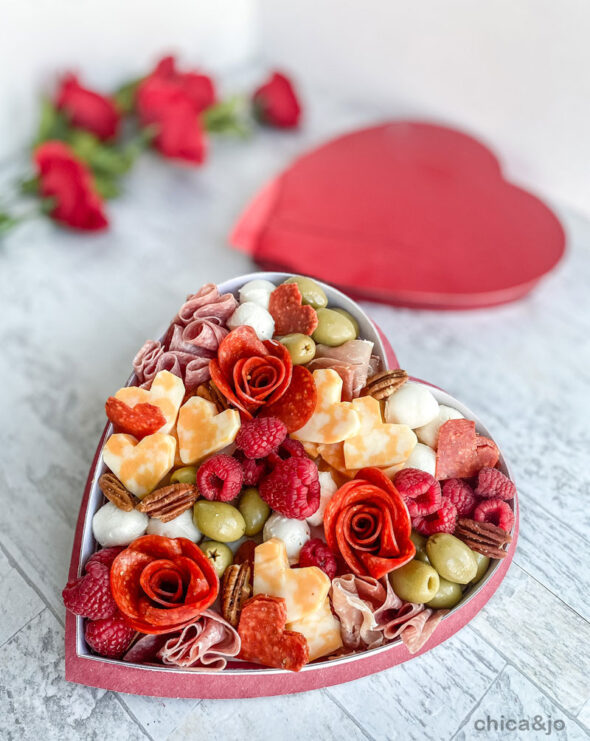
116,493
383,384
168,502
210,392
483,537
235,590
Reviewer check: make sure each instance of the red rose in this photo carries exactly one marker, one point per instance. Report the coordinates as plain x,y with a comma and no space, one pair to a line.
66,179
87,109
172,101
367,523
276,103
251,373
162,584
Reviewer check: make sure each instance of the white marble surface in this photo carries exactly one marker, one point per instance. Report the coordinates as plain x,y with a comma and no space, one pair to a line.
73,311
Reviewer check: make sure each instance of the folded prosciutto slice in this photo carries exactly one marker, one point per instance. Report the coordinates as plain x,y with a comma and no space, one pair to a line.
352,361
371,613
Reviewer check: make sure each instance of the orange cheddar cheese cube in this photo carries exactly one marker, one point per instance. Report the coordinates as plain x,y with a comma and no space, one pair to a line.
202,431
166,392
140,466
304,590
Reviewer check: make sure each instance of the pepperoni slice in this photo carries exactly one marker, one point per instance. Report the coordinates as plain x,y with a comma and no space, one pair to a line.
487,453
297,404
141,420
162,584
264,638
456,455
289,314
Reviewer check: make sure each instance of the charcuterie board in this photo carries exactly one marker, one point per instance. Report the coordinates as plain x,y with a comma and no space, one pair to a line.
140,669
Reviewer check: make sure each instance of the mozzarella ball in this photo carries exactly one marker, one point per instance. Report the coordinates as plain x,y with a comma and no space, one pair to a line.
428,434
255,316
293,533
180,527
257,291
328,487
422,457
113,526
412,405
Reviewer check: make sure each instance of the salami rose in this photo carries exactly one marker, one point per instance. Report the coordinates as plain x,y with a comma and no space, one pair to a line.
162,584
367,523
251,373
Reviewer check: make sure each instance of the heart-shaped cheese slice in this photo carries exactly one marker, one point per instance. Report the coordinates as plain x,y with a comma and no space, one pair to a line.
377,443
304,590
321,629
166,392
333,420
202,431
140,466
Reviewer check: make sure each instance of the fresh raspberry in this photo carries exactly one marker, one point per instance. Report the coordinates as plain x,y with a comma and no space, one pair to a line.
109,637
260,436
492,484
316,553
441,521
90,595
420,490
254,468
496,511
292,488
106,556
461,495
287,449
220,478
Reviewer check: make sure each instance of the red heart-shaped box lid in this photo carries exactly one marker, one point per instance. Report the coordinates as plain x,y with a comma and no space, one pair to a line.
406,213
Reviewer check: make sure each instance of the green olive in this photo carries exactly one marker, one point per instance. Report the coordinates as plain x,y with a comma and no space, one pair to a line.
254,509
311,293
218,520
333,328
415,582
451,558
350,317
447,596
482,565
420,542
185,475
300,346
219,555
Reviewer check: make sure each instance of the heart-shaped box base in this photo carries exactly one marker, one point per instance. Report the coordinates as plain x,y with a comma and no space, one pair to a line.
240,679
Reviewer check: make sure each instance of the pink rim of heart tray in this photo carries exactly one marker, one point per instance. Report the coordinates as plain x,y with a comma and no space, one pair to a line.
84,667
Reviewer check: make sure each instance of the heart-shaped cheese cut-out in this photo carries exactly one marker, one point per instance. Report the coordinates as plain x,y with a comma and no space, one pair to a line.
166,392
377,443
321,630
202,431
140,466
304,590
333,420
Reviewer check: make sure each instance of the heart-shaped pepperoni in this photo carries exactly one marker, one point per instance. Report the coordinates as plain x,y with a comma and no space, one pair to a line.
289,314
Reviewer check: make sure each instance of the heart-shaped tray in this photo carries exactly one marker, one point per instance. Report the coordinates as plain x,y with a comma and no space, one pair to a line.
86,668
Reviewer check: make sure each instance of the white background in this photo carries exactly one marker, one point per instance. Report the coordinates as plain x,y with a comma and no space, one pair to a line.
514,73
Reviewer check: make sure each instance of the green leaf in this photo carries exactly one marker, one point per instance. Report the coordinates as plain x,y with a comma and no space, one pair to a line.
48,203
7,222
124,97
52,123
107,187
227,117
29,186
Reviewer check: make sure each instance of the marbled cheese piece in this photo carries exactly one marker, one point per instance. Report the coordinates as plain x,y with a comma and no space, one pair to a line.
140,466
333,420
377,443
202,431
321,629
304,590
166,392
